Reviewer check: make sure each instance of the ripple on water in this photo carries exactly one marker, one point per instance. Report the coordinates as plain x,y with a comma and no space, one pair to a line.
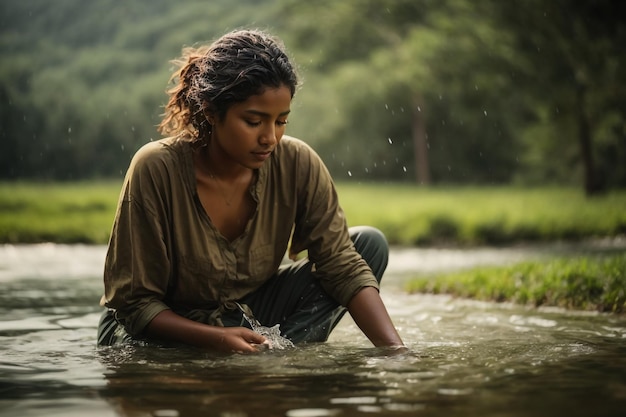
462,353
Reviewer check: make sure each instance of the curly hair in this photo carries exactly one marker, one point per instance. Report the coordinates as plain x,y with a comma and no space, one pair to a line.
238,65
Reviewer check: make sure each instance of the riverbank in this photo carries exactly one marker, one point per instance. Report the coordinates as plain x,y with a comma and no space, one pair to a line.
462,217
587,280
82,212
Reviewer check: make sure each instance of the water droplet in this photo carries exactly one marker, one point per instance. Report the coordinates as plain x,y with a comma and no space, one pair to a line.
404,168
390,141
485,112
349,173
69,129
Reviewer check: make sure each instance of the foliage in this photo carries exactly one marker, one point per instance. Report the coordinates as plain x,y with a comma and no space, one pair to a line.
575,75
586,283
408,215
504,92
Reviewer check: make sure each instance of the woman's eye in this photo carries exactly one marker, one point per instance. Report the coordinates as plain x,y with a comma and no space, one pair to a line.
253,123
282,122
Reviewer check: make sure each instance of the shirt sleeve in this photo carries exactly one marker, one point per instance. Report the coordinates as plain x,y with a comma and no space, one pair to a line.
321,228
137,265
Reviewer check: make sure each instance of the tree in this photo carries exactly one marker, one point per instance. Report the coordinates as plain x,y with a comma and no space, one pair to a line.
434,66
575,73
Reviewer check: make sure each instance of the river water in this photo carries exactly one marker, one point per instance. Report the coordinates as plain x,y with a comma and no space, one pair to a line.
466,358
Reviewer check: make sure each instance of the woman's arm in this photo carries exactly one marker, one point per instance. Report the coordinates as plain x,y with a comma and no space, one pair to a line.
168,325
369,313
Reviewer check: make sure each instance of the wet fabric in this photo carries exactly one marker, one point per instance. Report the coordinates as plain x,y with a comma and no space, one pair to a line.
292,298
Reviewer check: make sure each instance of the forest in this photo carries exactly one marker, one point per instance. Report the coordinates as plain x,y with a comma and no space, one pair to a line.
430,92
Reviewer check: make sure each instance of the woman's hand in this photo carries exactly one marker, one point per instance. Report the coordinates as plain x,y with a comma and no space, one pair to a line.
168,325
239,340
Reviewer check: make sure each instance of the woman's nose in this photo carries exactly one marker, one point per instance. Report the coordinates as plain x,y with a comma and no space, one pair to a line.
268,136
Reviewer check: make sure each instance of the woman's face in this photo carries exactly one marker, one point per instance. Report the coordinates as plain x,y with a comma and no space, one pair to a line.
251,129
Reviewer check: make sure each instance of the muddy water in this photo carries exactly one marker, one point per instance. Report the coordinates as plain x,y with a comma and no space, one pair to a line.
466,358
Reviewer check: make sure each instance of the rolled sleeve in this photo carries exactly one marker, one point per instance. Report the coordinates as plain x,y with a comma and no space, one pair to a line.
137,266
321,228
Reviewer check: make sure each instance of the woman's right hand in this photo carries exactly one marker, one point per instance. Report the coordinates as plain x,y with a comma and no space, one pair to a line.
168,325
239,340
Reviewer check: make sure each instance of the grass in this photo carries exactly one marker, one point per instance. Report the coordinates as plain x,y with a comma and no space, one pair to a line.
482,215
589,283
82,212
79,212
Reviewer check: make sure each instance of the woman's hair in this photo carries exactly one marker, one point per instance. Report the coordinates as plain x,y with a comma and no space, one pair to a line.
238,65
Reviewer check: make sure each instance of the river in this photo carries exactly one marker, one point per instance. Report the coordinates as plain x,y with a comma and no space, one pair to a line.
465,358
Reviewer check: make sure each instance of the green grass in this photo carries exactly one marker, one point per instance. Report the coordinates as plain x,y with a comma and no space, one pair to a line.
80,212
589,283
409,215
482,215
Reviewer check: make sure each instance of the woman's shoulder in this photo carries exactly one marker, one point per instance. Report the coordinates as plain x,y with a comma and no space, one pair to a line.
298,158
163,155
294,148
161,150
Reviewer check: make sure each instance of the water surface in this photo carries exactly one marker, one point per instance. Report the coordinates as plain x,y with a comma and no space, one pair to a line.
466,358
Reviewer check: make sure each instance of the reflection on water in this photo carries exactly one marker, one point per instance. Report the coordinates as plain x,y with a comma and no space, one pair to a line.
466,358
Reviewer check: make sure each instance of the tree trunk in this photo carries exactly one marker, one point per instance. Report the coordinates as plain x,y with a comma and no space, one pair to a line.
592,185
420,142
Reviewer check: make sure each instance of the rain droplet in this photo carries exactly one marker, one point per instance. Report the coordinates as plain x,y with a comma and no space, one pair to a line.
404,168
69,129
485,112
349,173
390,141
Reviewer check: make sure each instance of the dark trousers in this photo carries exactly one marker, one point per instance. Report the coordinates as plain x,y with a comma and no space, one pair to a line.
292,298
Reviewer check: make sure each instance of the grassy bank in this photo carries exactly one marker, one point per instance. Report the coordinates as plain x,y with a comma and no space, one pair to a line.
80,212
83,212
589,283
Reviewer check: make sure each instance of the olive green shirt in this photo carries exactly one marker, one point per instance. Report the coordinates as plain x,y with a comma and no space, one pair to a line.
164,252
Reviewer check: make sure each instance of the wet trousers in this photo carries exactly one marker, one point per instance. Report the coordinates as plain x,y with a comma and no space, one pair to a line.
292,298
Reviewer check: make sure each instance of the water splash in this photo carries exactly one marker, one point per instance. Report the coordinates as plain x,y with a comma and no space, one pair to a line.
274,339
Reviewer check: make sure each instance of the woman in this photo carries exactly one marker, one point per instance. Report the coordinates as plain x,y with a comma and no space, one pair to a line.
207,214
